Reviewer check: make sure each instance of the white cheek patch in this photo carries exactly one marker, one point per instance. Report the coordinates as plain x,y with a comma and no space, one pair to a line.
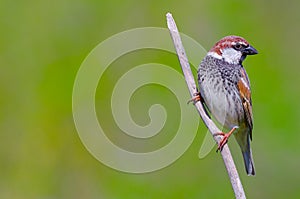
231,56
215,55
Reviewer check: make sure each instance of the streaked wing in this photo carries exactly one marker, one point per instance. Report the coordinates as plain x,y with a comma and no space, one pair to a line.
245,94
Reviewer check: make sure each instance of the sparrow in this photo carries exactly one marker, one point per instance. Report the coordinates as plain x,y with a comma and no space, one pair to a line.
224,89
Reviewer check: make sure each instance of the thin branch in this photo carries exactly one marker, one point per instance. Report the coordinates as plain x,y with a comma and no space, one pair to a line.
189,78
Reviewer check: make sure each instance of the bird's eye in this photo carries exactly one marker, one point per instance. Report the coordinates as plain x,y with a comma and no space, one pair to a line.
238,46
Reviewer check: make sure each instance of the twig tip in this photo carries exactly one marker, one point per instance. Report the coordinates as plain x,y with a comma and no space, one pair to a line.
169,14
171,23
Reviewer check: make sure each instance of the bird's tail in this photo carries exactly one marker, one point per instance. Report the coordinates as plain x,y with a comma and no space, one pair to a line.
248,159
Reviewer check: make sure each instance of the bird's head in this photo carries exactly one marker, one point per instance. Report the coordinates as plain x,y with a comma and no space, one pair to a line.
232,49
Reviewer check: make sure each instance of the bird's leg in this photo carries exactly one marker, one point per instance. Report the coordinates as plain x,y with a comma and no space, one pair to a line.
195,99
225,138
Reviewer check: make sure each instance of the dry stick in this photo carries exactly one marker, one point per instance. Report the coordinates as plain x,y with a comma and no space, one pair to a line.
189,78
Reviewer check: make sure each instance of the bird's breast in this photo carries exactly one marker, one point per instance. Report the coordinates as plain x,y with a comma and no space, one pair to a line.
221,96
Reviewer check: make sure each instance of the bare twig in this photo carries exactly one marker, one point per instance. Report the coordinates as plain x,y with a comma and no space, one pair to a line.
189,78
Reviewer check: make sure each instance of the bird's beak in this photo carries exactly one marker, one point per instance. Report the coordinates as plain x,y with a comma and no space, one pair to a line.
250,50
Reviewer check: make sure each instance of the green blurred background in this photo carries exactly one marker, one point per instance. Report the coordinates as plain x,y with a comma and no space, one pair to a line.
43,43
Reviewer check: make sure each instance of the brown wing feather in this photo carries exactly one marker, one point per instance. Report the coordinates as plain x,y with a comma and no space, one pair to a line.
245,94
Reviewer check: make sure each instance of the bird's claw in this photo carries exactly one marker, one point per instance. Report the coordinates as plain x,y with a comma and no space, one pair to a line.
225,138
195,99
223,141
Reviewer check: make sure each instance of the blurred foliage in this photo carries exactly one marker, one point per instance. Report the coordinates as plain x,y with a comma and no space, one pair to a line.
43,43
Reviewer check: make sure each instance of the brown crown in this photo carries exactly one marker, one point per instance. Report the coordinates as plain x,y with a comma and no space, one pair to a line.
227,42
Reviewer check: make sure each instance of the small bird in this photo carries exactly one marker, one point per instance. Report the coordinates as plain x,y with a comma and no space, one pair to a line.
225,91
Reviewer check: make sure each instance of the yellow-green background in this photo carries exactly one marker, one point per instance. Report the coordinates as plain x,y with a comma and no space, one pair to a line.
42,44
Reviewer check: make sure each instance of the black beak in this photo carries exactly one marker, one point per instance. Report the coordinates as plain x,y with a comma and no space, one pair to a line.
250,50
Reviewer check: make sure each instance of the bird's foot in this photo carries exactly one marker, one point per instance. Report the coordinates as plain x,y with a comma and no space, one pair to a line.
225,138
195,99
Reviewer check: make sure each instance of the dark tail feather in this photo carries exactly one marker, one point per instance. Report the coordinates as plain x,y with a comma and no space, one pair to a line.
243,138
248,160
